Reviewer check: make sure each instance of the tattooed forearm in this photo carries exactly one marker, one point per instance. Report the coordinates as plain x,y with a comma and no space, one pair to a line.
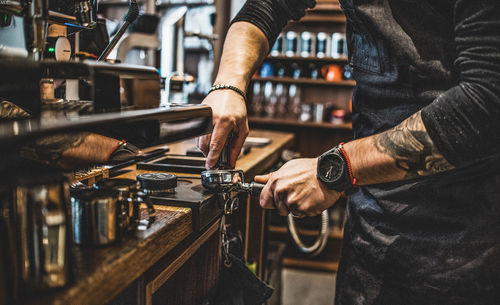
412,148
9,110
50,149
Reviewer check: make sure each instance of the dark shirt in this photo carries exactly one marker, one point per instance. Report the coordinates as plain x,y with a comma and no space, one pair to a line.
436,239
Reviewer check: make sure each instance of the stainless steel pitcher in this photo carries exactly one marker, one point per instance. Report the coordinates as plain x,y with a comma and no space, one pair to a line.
97,217
42,232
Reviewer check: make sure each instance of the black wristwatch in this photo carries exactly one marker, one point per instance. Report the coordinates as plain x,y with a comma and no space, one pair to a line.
333,170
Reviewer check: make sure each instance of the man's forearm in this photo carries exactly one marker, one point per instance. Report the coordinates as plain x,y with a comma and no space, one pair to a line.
71,151
400,153
245,48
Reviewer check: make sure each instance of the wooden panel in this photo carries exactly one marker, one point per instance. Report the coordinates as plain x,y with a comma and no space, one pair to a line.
191,275
255,235
310,264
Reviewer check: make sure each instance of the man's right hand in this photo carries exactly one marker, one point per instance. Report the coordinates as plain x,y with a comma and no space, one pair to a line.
245,48
229,114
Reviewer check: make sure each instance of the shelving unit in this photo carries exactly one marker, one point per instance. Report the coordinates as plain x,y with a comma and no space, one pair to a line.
311,18
334,233
305,81
297,123
307,59
326,261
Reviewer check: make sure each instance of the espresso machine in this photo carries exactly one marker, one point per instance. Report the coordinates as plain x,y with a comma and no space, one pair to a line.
61,96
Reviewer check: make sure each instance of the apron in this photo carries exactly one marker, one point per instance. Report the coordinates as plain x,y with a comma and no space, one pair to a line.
431,240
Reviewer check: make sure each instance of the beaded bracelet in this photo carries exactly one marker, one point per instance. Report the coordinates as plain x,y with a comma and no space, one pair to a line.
223,87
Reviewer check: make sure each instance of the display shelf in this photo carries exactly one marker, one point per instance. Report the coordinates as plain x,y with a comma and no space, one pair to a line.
310,264
297,123
327,6
333,233
320,18
305,81
342,59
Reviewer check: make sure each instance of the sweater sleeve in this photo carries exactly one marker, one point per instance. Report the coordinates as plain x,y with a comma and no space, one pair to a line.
464,121
272,15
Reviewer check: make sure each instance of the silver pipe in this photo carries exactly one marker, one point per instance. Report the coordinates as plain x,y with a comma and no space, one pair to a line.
36,16
132,14
320,242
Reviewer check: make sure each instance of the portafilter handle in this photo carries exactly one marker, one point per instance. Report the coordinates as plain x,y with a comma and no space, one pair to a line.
226,181
253,188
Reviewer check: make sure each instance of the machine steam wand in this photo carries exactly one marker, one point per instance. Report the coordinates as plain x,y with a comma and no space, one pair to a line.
132,14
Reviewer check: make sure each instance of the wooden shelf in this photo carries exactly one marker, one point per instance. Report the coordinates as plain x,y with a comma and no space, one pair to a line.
293,122
342,59
305,81
327,6
310,264
320,18
334,233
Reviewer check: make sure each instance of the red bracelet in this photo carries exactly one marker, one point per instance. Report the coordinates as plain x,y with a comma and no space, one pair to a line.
116,147
349,168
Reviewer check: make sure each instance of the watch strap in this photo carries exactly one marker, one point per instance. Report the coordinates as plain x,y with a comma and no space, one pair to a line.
348,162
346,181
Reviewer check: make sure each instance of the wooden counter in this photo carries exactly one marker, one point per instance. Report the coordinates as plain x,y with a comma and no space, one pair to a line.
151,257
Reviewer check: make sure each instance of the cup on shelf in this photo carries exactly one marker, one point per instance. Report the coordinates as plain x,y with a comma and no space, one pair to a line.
281,94
338,116
291,43
277,48
266,70
307,44
281,70
323,44
318,112
270,100
347,72
339,45
256,101
332,72
313,71
294,101
296,70
305,114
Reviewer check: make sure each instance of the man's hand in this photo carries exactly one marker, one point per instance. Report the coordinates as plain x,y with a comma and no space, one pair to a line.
245,48
229,114
295,189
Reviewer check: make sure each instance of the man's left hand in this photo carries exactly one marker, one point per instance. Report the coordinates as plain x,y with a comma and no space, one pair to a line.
294,188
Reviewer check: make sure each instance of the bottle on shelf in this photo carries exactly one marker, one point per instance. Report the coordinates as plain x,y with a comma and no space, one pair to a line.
281,93
270,100
323,44
256,101
294,101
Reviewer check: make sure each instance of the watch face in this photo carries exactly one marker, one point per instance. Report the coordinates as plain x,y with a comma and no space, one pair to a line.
331,168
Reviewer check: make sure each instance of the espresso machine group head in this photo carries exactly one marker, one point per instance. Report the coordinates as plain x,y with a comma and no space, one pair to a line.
37,14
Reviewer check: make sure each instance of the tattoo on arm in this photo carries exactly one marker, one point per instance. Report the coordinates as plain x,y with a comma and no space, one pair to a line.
50,149
10,110
412,149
